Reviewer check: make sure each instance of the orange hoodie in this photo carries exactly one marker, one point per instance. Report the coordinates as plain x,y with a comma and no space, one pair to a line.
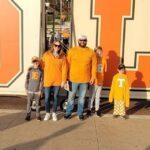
82,64
55,69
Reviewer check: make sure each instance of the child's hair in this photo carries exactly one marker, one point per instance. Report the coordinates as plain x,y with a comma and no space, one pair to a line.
121,66
98,48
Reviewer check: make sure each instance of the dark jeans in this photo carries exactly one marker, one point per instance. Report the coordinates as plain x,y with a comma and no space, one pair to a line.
47,92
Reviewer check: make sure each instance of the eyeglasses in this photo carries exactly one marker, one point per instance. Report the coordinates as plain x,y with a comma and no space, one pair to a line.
83,40
57,45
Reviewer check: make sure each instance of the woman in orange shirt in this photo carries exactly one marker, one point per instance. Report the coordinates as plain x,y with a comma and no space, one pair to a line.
55,74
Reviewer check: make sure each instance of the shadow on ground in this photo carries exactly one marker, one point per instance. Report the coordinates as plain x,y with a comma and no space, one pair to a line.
141,104
148,148
36,144
11,120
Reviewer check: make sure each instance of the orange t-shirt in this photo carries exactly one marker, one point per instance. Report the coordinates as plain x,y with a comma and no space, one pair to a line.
101,68
82,64
55,69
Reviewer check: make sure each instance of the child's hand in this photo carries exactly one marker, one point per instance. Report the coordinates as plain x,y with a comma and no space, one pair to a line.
66,86
39,93
91,81
62,84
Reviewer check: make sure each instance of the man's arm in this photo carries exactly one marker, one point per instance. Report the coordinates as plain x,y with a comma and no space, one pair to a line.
94,67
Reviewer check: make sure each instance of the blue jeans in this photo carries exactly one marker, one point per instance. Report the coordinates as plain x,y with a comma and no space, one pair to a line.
82,92
47,92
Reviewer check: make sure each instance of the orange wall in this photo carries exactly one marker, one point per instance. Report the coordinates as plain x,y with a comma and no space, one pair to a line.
9,42
111,13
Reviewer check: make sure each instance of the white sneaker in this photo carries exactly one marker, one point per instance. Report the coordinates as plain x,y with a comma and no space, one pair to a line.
54,116
47,117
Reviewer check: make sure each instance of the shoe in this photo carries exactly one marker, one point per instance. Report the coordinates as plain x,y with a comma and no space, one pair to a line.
81,117
38,118
47,117
98,113
27,118
88,113
54,116
67,117
115,116
125,117
93,110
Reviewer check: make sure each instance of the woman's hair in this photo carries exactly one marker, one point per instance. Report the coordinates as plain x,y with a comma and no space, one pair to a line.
121,66
60,52
98,48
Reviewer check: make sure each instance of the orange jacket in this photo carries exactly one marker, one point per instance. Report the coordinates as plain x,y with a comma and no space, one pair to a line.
82,64
101,68
55,69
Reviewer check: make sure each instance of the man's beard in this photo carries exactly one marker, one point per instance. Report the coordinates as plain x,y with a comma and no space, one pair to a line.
83,46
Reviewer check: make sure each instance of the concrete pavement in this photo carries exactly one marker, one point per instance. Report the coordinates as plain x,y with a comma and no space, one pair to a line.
93,133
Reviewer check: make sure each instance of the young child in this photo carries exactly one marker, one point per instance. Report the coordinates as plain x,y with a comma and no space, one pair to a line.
97,87
120,92
33,86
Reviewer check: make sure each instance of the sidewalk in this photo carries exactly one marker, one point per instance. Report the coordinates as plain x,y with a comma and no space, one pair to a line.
94,133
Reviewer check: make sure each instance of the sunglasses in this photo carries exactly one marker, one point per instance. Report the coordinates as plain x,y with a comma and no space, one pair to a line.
83,40
57,45
35,61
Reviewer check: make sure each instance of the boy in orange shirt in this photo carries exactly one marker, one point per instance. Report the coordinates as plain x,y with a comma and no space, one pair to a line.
120,92
95,90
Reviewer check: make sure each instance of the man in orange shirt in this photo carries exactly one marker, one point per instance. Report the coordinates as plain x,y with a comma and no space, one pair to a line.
82,71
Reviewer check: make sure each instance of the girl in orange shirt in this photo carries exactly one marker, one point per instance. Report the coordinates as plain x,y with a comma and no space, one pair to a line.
55,74
119,93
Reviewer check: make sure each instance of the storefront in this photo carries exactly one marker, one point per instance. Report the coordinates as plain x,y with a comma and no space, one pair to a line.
120,27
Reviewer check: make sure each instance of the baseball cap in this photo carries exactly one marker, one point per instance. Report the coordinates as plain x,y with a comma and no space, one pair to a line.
34,59
82,37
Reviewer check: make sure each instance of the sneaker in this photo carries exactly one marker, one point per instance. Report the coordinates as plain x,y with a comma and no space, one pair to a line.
67,117
47,117
27,118
115,116
125,117
38,118
81,117
98,113
54,116
88,113
93,110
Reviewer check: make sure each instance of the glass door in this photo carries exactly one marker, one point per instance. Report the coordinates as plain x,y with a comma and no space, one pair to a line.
58,15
